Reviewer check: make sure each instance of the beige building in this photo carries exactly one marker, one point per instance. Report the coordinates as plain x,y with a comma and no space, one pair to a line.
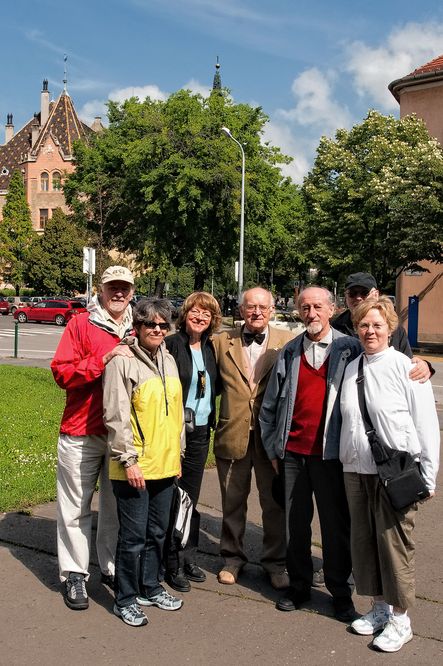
42,151
421,92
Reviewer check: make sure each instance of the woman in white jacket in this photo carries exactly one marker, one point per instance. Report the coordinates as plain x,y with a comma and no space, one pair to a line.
404,416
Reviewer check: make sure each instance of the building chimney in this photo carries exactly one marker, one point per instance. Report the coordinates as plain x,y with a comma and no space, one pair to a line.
44,105
35,130
97,125
9,128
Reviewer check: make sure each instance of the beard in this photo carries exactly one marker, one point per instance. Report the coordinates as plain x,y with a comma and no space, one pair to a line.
314,328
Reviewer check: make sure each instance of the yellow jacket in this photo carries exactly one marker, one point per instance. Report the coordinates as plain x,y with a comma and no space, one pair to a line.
143,412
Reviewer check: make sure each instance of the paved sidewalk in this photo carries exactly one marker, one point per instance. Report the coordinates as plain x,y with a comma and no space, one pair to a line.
218,625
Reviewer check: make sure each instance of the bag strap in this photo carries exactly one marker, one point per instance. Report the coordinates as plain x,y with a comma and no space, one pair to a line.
369,428
380,452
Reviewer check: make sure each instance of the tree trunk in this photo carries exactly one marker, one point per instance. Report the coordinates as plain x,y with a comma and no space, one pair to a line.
159,288
199,278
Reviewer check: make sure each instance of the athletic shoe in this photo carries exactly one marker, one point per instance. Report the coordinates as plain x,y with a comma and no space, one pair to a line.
75,595
376,619
132,615
162,600
396,633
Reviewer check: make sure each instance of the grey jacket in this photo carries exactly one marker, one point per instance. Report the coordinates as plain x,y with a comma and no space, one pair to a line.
278,402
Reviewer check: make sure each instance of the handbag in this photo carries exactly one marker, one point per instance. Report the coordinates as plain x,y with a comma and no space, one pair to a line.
398,471
181,513
189,419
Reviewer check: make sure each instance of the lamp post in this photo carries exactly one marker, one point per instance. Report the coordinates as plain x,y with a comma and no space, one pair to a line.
227,131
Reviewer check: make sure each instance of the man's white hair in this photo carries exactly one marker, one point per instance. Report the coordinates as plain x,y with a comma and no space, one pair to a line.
242,295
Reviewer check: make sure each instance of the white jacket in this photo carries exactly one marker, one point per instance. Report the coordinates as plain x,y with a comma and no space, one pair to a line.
402,412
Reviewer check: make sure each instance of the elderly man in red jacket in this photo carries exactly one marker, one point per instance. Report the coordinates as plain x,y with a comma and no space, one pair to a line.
88,343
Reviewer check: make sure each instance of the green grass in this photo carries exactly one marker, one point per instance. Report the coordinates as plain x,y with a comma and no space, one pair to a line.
31,406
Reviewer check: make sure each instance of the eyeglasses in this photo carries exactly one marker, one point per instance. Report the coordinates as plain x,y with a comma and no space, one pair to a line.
353,292
163,326
202,314
252,308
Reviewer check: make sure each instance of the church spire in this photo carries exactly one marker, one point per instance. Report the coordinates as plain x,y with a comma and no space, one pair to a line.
217,78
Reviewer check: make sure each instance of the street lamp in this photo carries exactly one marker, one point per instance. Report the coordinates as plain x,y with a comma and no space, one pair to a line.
227,131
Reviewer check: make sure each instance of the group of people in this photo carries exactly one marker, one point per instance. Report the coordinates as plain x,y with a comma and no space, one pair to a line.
140,406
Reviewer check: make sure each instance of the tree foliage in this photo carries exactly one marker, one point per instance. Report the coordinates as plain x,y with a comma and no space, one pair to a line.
16,232
55,262
163,182
375,198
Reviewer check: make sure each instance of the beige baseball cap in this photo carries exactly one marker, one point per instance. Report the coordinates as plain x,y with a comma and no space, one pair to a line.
117,273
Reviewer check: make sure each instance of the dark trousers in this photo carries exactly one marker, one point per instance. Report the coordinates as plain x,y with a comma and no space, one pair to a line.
193,466
305,476
144,517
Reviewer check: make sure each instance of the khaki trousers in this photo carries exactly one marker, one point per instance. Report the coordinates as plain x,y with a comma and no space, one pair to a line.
82,461
235,485
382,549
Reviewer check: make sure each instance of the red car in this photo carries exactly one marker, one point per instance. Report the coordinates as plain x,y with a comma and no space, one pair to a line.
58,311
4,306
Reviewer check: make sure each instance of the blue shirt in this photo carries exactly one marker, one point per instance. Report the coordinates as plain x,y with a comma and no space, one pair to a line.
201,406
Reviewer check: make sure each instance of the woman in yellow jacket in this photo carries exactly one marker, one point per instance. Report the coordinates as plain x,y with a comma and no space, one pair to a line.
143,413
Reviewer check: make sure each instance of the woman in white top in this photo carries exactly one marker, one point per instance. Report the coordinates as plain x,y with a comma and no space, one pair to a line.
404,416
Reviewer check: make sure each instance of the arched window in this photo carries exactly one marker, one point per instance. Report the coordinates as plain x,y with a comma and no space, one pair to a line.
56,181
44,181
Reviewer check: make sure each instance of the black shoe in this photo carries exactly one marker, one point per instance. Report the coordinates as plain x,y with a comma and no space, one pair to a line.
108,580
318,578
177,580
194,573
75,595
293,599
344,610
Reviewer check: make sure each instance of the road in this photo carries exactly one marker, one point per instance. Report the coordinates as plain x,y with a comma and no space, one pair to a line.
35,341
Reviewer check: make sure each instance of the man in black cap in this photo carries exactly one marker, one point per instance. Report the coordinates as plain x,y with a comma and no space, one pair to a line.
360,286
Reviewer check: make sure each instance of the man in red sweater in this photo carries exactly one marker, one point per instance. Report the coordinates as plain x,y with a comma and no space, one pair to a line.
88,343
300,424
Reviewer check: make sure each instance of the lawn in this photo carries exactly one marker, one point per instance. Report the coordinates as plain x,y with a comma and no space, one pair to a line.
31,406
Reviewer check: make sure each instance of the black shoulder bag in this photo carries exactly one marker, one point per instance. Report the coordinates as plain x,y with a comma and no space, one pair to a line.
398,471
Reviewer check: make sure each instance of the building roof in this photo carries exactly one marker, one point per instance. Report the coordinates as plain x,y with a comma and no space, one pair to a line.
431,71
63,126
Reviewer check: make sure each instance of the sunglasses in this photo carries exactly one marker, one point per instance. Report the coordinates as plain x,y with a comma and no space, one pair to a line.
353,292
163,326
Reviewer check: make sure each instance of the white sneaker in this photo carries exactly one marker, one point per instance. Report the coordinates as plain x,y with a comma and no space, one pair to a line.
396,633
370,623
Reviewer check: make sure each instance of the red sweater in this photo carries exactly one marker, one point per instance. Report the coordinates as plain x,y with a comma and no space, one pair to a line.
308,419
78,367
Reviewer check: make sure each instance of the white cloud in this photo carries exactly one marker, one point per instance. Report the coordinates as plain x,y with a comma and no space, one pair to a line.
281,135
152,91
315,106
97,107
407,47
197,88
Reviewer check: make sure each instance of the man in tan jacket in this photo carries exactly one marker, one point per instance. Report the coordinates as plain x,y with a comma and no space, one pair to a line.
245,357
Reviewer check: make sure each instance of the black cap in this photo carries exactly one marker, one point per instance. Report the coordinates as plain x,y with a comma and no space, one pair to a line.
365,280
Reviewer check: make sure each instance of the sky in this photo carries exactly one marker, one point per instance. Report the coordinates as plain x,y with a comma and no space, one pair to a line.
313,66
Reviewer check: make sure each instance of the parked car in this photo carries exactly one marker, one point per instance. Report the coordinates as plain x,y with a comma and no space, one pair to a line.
286,321
4,306
57,311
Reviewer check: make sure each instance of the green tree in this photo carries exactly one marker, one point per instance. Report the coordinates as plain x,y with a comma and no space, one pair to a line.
164,183
375,198
16,232
55,264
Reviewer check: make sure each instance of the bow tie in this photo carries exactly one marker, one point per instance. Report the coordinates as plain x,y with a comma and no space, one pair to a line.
249,338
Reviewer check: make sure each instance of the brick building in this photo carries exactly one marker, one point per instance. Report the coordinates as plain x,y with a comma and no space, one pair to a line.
421,92
42,151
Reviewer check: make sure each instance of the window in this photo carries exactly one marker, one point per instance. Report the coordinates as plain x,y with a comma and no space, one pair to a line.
44,214
56,181
44,182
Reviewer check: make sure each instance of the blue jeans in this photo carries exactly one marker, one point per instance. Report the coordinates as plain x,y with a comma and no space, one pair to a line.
144,517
